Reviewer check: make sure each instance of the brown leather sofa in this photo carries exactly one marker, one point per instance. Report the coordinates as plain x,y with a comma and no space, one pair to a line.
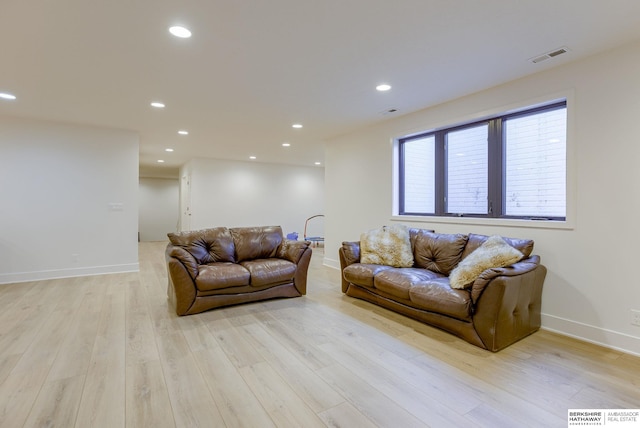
226,266
499,308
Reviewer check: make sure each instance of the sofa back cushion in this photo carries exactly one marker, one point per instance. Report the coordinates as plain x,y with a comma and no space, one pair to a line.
413,235
525,246
438,252
256,242
207,245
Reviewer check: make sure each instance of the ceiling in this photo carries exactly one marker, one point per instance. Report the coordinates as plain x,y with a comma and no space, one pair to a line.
254,67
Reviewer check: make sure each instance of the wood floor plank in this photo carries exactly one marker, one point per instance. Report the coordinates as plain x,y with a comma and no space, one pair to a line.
280,401
77,346
191,401
47,340
316,393
110,345
18,392
447,389
141,344
369,401
147,398
412,398
7,363
495,396
20,323
344,415
57,404
103,398
238,349
309,353
237,404
196,333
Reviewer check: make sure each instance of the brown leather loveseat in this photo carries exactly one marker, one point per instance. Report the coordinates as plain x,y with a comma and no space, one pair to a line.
501,306
225,266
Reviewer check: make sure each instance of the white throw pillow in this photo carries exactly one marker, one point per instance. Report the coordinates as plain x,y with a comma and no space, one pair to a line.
389,245
493,253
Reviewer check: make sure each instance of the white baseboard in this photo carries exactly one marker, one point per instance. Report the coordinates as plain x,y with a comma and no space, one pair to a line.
592,334
9,278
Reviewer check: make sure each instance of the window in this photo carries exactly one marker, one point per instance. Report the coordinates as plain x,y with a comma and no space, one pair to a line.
467,176
510,166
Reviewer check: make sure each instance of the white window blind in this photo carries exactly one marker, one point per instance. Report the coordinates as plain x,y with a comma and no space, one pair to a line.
535,161
467,178
419,175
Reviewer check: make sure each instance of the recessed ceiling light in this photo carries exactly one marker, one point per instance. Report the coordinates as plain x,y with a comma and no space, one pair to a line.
157,104
383,87
286,145
7,96
168,150
179,31
160,161
296,125
318,163
252,157
183,132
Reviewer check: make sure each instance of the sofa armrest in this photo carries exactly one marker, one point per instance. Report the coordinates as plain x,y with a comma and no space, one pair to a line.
185,257
292,250
349,253
519,268
182,268
300,279
510,303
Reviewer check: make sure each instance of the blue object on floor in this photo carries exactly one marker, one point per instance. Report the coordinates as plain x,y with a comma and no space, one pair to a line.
292,236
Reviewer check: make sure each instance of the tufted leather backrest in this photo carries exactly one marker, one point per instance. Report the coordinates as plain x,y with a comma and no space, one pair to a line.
256,242
413,235
206,246
438,252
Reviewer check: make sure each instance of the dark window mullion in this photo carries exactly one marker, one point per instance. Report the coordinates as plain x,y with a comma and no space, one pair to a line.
402,180
441,174
495,165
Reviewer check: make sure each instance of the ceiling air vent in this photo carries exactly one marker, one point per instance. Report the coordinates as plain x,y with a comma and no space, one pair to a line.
549,55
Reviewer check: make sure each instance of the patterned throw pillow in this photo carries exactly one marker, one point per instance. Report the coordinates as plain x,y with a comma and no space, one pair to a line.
389,245
494,253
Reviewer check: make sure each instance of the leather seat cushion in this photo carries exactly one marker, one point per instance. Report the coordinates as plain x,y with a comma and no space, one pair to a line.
362,274
269,271
214,276
398,281
436,295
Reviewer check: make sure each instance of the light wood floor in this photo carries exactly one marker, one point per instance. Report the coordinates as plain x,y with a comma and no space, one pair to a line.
106,351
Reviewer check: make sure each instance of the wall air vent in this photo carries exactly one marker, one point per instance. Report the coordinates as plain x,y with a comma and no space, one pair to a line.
549,55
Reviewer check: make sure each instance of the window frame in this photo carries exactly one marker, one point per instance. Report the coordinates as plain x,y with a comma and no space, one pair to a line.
496,165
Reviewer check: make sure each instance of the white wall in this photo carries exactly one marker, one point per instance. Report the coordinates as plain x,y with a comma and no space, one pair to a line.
591,284
58,184
158,208
235,193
